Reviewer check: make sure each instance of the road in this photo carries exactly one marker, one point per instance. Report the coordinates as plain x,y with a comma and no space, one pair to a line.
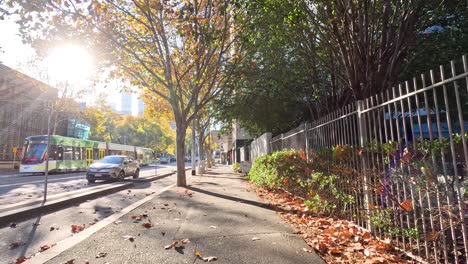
20,188
49,229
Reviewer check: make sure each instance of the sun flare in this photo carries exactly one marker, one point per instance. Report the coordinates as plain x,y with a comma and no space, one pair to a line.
70,63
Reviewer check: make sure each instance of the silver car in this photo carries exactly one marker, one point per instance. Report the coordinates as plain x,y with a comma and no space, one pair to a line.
115,167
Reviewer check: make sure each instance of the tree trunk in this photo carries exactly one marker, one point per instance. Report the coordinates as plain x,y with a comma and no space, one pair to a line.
180,151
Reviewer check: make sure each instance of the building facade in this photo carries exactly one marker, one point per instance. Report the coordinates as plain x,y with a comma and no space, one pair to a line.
126,104
24,104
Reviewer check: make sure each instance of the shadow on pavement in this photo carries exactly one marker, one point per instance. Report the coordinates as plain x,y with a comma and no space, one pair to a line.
235,199
31,235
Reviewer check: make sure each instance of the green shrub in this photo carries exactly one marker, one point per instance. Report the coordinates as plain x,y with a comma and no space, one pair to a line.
236,167
291,171
279,169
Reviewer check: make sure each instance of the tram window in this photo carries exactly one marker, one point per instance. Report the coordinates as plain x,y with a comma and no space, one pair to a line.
56,153
76,153
67,153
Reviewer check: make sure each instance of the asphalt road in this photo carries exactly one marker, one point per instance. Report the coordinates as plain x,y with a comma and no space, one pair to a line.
49,229
19,188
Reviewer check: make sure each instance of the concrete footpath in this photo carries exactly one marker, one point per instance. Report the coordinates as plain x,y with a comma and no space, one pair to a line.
218,213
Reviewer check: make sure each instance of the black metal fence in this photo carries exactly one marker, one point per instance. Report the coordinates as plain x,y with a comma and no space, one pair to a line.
403,155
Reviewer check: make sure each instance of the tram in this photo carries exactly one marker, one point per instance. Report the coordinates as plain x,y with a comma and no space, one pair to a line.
74,154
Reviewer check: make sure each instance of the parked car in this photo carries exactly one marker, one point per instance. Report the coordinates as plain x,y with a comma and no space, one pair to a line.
115,167
164,160
172,159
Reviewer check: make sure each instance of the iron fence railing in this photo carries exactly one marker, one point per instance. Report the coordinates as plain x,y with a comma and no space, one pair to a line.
403,155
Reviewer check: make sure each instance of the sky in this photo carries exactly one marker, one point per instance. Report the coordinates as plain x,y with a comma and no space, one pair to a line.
19,56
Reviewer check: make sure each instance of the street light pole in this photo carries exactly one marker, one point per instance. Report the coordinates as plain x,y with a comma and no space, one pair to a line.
46,172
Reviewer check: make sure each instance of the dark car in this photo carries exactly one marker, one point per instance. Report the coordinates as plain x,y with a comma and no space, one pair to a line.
115,167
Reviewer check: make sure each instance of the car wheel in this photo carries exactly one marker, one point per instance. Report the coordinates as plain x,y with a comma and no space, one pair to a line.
91,180
137,174
121,175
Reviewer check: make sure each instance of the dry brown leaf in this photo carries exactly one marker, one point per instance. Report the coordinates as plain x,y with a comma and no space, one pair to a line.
101,255
407,205
15,245
21,259
432,236
210,258
147,225
130,238
77,228
44,248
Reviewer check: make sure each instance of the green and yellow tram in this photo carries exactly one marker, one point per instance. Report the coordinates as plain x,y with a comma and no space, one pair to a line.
74,154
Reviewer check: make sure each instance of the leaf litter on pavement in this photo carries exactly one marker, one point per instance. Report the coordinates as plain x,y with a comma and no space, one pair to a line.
335,240
178,244
206,259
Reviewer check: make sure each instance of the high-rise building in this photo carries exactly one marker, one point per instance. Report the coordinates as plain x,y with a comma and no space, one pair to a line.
141,107
126,104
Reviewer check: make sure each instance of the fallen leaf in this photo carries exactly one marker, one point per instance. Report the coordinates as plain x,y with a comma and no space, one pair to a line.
147,225
307,250
77,228
117,222
130,238
367,252
334,251
407,205
44,248
15,245
213,227
173,244
21,259
101,255
432,236
255,238
176,219
198,254
210,258
185,241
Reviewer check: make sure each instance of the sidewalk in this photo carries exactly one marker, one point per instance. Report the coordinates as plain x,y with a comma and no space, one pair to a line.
218,214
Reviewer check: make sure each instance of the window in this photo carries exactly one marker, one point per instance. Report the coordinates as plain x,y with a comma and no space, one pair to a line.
35,152
112,160
67,153
77,153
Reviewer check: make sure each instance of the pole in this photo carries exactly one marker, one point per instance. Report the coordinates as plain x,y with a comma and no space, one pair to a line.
46,172
193,147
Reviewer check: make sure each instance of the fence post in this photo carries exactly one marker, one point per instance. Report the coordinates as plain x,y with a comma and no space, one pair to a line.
282,143
365,175
306,127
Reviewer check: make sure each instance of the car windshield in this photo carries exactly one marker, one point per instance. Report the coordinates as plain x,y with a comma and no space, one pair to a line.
113,160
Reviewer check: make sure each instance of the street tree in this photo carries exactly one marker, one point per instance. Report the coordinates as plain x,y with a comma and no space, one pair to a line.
179,51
